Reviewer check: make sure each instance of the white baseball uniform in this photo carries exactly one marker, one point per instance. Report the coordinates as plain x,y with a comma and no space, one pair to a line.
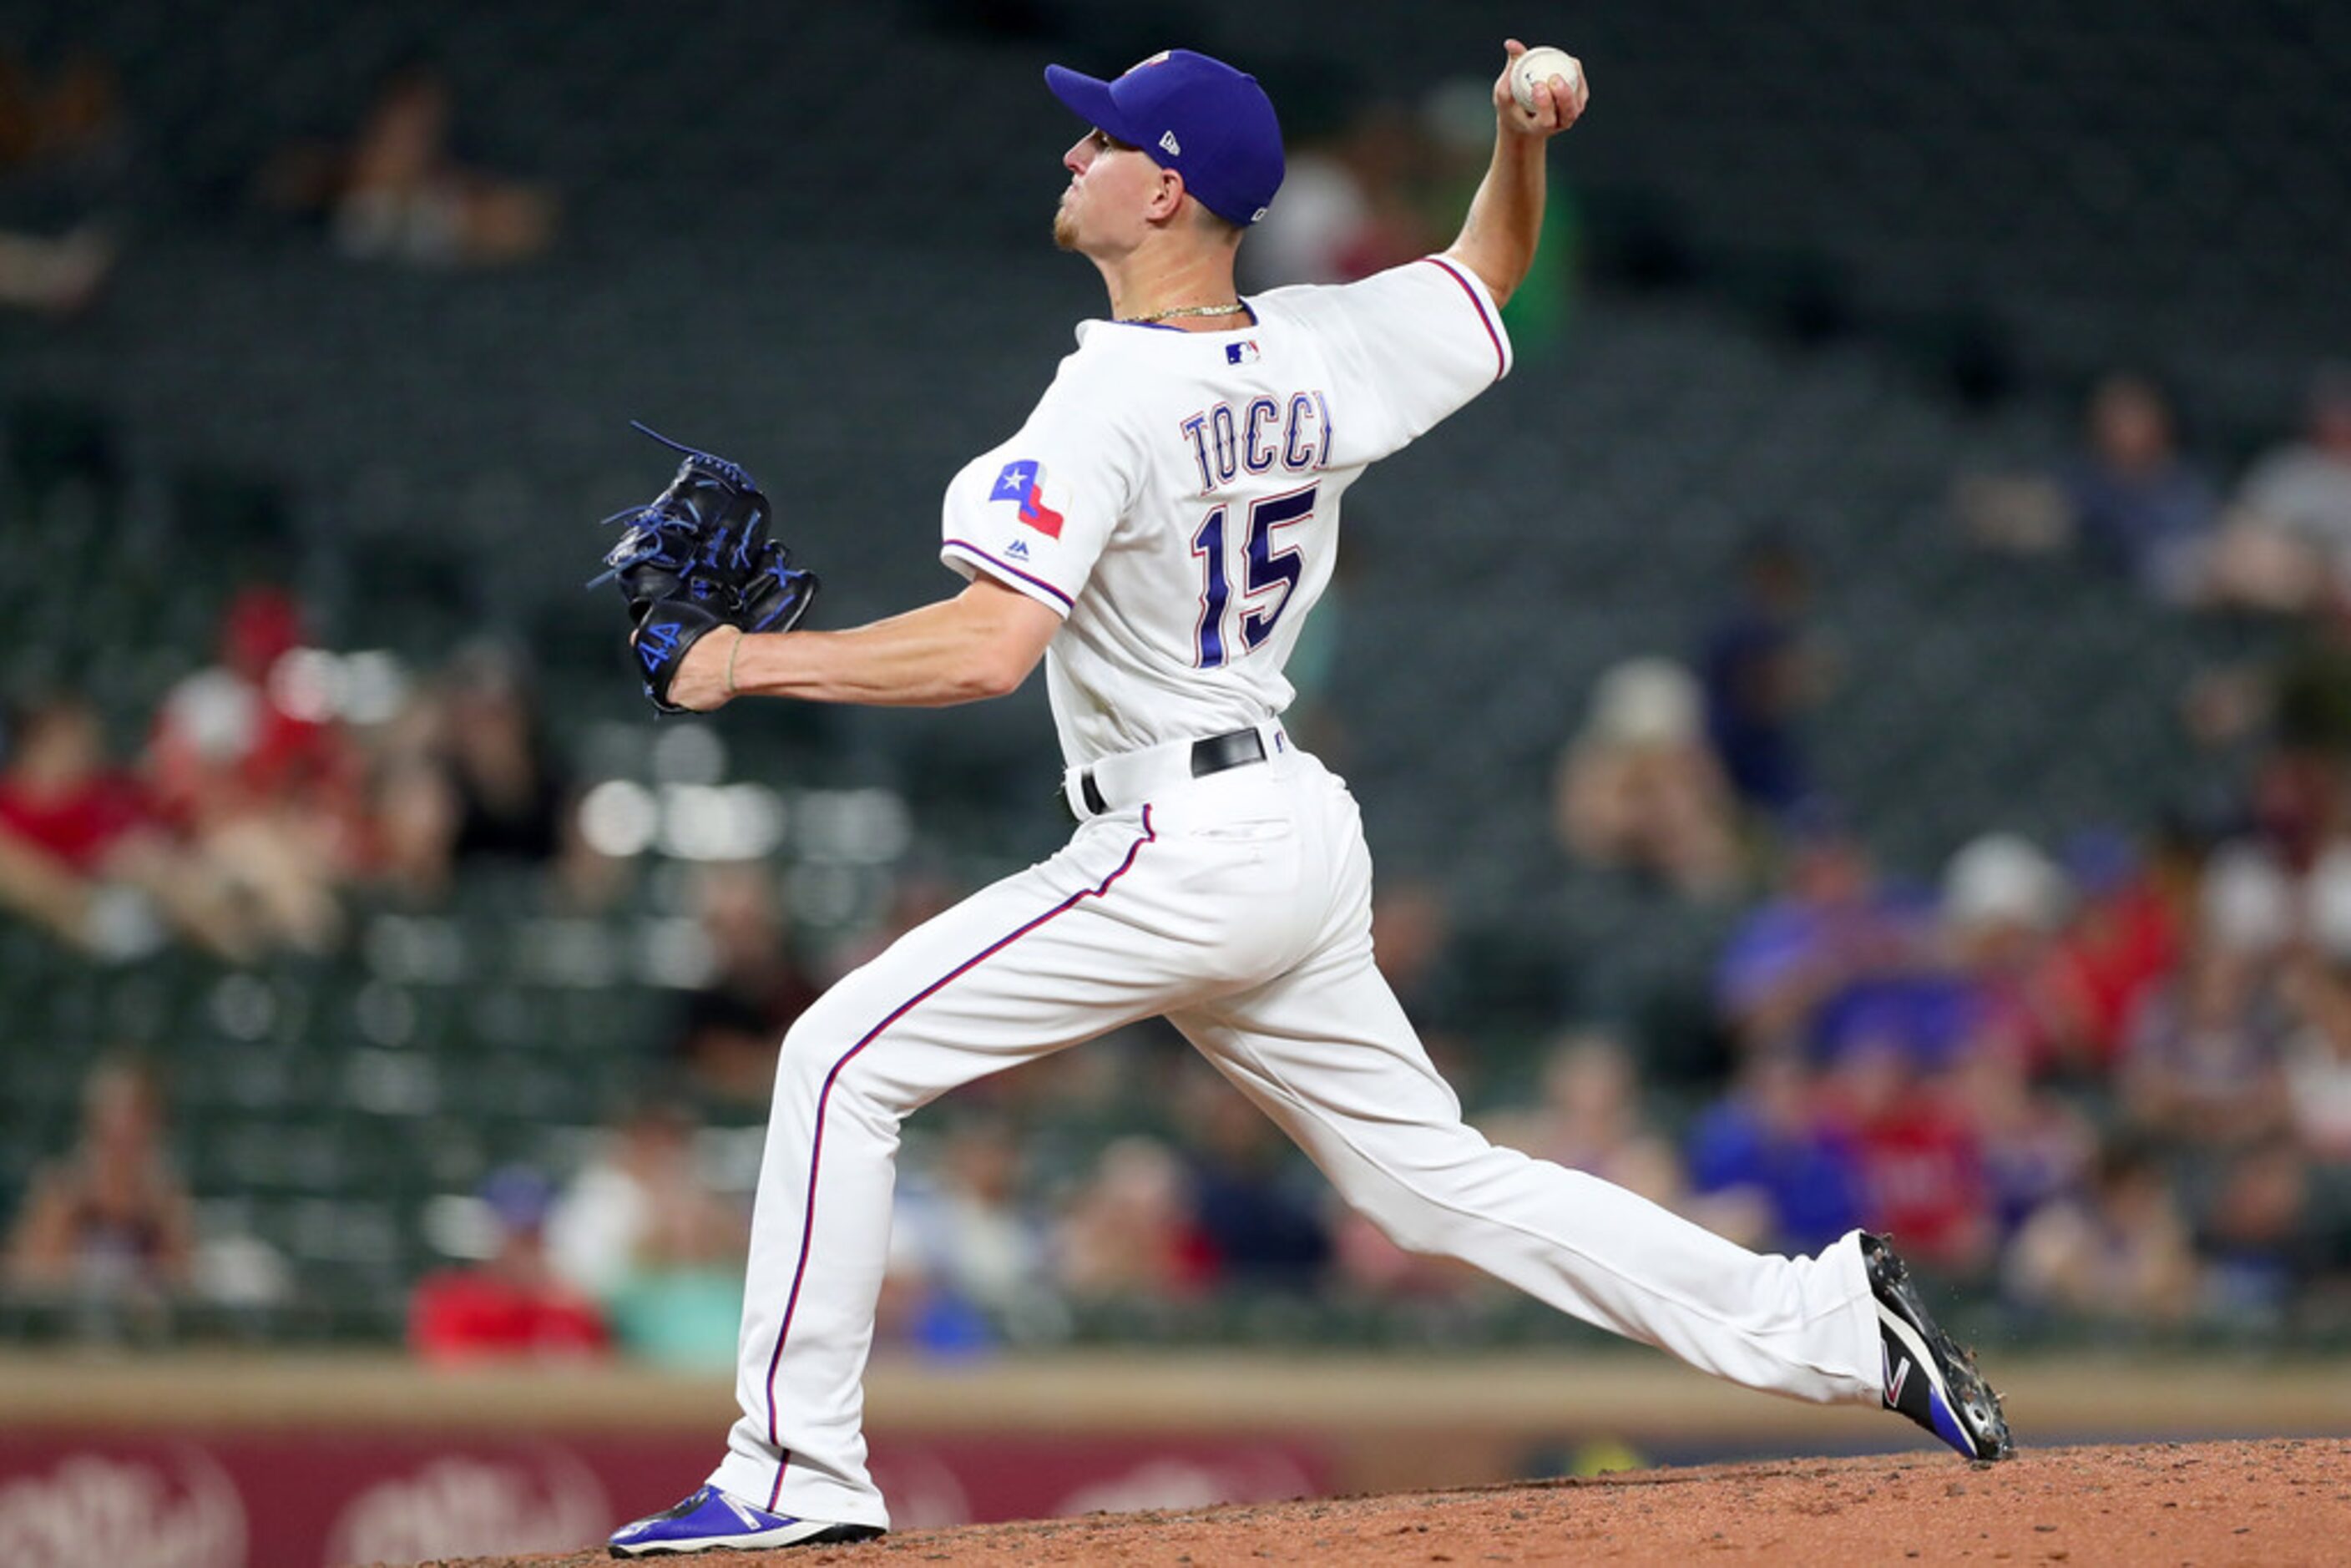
1176,497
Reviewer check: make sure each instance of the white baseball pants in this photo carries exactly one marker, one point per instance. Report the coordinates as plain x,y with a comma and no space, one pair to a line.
1238,906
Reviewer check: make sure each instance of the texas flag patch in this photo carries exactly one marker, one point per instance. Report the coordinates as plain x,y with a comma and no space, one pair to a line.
1024,482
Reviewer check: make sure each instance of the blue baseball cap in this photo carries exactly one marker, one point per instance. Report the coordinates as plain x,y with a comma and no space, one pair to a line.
518,1196
1210,123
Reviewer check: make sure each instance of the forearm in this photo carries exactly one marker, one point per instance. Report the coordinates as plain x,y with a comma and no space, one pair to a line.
37,884
1498,237
957,651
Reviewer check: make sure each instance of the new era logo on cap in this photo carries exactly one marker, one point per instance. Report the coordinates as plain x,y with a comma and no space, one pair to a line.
1208,122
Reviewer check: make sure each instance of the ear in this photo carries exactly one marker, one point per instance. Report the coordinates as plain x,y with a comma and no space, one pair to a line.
1168,199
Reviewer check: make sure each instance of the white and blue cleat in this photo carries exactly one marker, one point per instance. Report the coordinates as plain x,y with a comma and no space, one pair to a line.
714,1520
1928,1377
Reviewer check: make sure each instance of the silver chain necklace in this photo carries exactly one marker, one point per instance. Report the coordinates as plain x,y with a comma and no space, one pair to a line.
1235,308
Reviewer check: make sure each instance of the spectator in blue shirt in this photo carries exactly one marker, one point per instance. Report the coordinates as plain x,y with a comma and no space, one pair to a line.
1764,1143
1760,677
2135,502
1833,934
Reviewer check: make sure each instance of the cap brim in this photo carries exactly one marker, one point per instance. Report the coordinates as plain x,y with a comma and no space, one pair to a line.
1088,98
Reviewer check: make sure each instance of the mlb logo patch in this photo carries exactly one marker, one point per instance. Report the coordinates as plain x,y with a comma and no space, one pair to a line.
1023,482
1241,353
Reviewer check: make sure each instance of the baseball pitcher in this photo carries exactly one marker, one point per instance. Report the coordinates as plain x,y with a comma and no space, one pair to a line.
1155,534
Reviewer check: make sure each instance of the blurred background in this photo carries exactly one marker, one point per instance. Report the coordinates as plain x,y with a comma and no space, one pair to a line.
1853,730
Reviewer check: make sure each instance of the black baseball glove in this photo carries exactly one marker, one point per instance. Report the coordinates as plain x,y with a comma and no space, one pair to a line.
699,557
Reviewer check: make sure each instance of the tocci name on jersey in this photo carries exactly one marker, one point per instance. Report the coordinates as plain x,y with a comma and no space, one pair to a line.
1261,436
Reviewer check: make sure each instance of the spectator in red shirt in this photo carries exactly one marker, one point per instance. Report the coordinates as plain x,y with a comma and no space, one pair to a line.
83,853
2120,944
58,793
1922,1173
513,1304
256,770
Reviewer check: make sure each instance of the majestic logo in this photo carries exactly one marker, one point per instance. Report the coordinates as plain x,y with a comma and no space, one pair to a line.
1175,148
1241,353
1024,482
1017,549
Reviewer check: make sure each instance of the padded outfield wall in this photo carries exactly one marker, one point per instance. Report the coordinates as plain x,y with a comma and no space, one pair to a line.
233,1461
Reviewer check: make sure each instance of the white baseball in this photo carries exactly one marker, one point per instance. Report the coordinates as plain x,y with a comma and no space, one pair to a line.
1540,64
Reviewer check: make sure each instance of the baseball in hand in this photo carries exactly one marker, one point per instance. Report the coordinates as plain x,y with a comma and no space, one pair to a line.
1540,64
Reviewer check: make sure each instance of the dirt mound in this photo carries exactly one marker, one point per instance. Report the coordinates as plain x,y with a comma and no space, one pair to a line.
2271,1501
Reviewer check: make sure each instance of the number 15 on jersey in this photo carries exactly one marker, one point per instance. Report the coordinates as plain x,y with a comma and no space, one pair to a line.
1269,574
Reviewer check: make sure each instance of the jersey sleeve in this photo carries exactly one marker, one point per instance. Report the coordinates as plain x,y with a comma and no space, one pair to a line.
1036,512
1413,343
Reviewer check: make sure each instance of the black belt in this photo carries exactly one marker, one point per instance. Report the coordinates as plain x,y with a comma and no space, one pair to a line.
1234,748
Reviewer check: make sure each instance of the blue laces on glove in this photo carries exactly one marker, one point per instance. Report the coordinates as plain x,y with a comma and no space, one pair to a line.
664,534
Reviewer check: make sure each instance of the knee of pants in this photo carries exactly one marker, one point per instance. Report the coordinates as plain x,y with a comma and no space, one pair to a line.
832,1053
1401,1214
1418,1203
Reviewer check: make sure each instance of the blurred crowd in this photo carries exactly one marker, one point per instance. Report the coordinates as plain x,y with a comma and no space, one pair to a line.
392,186
2104,1078
64,150
2109,1085
397,190
2114,1083
2107,1078
253,812
2135,498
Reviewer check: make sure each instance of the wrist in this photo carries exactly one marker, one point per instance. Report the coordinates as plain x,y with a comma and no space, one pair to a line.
734,652
1518,133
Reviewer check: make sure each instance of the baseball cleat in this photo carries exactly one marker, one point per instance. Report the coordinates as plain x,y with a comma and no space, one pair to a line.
712,1520
1928,1377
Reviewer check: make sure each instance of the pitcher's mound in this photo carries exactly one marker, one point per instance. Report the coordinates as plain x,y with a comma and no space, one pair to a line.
2269,1502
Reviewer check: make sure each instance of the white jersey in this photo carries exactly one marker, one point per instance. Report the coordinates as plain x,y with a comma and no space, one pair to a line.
1174,496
